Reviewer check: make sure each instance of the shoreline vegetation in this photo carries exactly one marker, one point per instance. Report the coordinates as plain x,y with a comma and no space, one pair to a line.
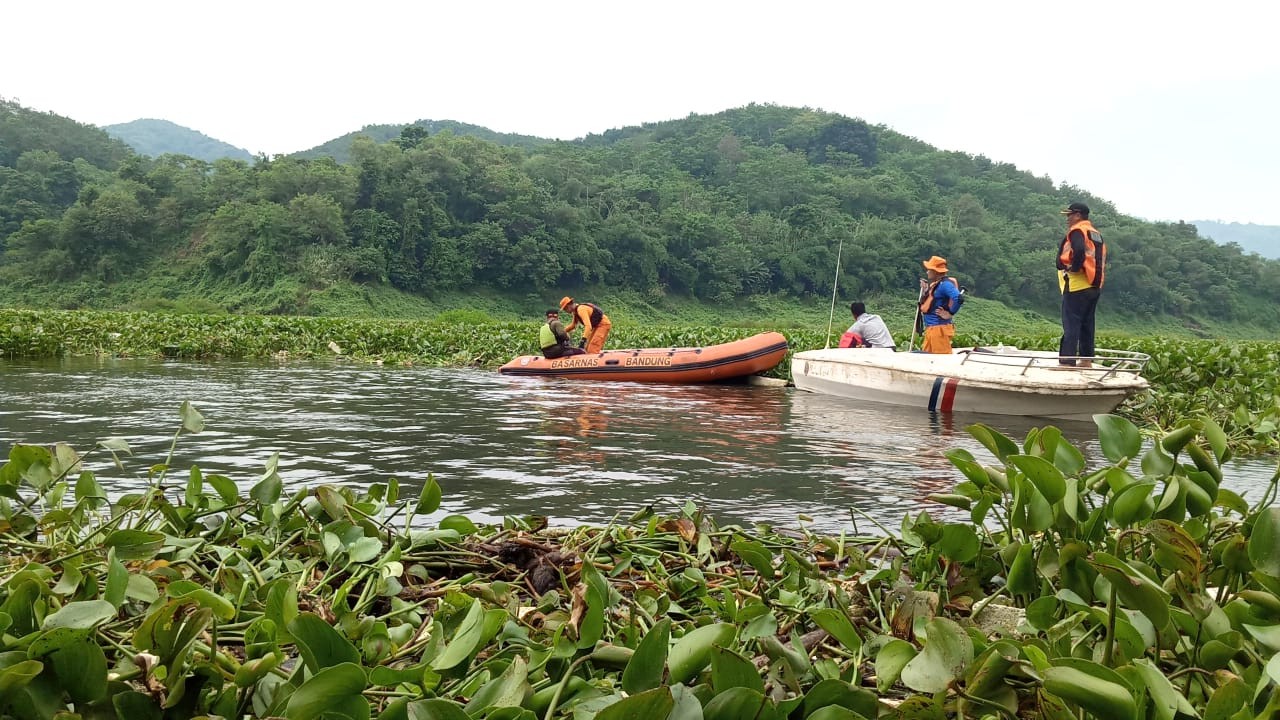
1231,382
1144,587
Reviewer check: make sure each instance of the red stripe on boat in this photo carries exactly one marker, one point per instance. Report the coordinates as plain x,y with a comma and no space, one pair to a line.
949,394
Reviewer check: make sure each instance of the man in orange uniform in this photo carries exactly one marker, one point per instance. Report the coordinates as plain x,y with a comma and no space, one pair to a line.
1081,261
595,324
939,304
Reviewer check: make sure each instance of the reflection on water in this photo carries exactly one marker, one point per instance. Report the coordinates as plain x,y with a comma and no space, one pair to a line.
525,446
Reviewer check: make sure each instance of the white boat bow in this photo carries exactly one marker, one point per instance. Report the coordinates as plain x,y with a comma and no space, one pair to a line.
998,380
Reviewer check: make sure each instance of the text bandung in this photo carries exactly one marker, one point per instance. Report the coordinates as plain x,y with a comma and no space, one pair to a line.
647,361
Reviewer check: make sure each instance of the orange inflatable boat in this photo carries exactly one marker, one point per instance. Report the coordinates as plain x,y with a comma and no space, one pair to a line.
662,365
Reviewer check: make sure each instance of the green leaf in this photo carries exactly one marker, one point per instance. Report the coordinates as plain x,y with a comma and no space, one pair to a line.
320,644
650,704
644,669
998,444
960,543
1166,700
592,627
135,706
334,504
81,615
1120,439
192,420
1132,504
837,712
268,489
1103,698
1227,700
731,670
1217,439
89,491
332,686
364,549
692,651
890,661
436,709
142,589
965,463
82,671
1047,478
735,704
429,498
947,652
837,693
225,487
465,640
1134,588
1264,542
221,607
755,555
115,445
1156,462
135,544
1268,635
14,677
117,585
195,488
838,624
460,524
1177,551
282,605
506,690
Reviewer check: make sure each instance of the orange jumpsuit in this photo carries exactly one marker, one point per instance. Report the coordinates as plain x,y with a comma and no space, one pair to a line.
595,333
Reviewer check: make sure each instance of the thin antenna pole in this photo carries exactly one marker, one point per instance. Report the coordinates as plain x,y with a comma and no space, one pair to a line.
834,284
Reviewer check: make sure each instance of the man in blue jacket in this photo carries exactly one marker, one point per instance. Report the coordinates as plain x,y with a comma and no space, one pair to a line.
940,301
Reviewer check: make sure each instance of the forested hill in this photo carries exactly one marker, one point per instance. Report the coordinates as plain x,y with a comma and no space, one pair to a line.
752,201
1261,239
340,148
159,137
25,130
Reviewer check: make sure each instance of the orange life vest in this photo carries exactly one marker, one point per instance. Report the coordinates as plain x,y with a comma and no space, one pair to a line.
1095,253
927,305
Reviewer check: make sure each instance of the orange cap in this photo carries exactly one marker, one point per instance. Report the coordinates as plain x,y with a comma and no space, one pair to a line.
565,301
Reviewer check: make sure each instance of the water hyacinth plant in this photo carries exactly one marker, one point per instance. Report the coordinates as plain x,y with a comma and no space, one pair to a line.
1142,588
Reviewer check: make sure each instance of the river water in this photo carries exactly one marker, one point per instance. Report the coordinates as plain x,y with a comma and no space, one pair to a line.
571,451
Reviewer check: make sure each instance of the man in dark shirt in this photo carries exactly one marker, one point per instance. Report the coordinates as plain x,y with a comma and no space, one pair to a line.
554,340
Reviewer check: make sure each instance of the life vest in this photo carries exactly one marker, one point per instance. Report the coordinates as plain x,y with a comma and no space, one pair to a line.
927,305
1095,253
546,338
596,313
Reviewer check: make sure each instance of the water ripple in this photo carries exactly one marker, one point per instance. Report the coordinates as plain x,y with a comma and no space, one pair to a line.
514,446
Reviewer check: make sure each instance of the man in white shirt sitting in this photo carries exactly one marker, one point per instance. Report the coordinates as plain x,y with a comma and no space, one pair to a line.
868,330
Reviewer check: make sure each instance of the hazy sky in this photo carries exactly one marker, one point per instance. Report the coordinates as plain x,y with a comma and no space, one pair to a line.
1168,109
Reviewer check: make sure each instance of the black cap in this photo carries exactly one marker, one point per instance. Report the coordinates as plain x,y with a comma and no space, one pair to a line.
1076,208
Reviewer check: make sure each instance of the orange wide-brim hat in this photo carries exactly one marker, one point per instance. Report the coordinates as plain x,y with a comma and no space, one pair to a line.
936,264
565,302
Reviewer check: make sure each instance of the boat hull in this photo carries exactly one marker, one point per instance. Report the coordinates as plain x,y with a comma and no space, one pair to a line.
1022,384
712,363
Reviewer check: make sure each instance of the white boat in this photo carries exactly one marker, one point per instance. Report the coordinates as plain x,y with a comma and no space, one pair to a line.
999,380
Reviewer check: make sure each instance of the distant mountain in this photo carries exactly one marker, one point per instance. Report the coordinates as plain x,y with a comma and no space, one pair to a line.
159,137
1261,239
340,148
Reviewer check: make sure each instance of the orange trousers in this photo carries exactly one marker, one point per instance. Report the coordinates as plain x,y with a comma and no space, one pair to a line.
937,339
595,341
